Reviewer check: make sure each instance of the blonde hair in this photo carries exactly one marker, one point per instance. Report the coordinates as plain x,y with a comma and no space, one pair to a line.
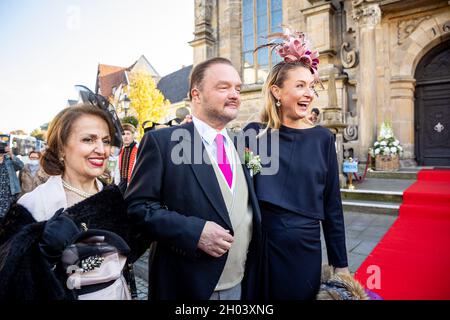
271,114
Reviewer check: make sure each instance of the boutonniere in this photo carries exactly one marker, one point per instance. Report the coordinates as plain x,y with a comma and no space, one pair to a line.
252,162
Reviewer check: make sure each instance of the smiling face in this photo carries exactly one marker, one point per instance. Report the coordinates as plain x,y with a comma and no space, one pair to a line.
295,94
88,148
218,98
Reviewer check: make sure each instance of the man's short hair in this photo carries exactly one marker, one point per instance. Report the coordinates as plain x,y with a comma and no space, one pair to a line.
315,110
198,73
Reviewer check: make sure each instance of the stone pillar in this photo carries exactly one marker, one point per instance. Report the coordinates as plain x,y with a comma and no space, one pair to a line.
229,31
332,118
291,13
402,103
323,31
204,40
367,17
320,27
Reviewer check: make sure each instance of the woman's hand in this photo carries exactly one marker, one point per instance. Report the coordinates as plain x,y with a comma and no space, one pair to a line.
57,235
342,270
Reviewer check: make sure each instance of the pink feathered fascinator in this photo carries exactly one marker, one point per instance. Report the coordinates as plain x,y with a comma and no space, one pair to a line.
293,47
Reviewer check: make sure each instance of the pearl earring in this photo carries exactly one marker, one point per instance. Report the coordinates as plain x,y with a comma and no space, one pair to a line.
278,104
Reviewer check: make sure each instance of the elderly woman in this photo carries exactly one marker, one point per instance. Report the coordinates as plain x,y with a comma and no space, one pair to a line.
45,221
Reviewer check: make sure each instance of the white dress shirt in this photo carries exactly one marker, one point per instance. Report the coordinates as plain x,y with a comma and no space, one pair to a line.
208,135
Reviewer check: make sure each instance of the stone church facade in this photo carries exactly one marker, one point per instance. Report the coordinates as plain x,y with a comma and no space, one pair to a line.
384,60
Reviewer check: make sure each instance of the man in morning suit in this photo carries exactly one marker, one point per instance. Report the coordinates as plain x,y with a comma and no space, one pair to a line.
192,195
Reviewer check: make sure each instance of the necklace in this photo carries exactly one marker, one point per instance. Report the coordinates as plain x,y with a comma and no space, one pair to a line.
79,192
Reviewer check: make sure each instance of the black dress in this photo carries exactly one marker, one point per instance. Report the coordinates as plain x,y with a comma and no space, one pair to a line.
294,200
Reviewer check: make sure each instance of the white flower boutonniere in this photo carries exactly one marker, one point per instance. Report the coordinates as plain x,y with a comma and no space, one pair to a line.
252,162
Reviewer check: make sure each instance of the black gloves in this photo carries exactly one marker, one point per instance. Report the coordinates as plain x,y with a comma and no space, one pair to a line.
58,233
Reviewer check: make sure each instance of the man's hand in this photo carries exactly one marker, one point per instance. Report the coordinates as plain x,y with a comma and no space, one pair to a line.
215,240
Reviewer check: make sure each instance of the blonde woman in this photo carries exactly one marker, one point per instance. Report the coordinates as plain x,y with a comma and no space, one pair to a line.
304,193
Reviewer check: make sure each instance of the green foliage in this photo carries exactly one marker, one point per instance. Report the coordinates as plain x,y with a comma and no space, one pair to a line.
38,134
148,102
130,119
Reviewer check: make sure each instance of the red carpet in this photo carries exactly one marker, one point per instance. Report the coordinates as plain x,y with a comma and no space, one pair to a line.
414,255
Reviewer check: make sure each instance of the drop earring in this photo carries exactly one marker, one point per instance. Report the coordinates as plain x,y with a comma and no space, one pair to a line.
278,103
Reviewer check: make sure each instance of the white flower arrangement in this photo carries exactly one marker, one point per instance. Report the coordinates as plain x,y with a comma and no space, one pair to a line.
253,162
386,143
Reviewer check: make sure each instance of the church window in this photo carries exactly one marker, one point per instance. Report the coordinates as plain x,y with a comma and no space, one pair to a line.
259,18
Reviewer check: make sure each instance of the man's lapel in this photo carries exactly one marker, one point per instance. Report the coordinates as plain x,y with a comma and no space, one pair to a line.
204,172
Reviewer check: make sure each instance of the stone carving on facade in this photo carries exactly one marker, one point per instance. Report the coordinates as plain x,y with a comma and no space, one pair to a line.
351,133
332,116
446,27
357,3
204,32
203,11
369,15
406,27
349,56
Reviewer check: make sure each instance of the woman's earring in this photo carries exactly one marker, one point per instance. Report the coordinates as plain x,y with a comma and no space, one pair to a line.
278,103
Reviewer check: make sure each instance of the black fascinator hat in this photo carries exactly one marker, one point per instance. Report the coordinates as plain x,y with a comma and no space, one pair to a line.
99,101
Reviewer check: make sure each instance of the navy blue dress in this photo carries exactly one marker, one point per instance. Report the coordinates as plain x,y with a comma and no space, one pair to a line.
294,200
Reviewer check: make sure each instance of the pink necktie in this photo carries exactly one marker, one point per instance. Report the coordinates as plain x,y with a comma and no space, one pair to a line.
222,160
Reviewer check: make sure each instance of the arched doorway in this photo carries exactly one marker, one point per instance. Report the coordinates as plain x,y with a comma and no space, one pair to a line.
432,107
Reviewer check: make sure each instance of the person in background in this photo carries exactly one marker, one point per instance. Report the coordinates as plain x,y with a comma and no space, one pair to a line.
32,173
314,116
9,183
127,156
112,168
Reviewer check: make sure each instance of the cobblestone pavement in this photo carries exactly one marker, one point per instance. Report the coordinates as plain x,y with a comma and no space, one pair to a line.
363,232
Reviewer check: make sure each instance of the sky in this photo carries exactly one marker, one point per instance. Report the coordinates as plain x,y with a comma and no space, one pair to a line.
48,46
